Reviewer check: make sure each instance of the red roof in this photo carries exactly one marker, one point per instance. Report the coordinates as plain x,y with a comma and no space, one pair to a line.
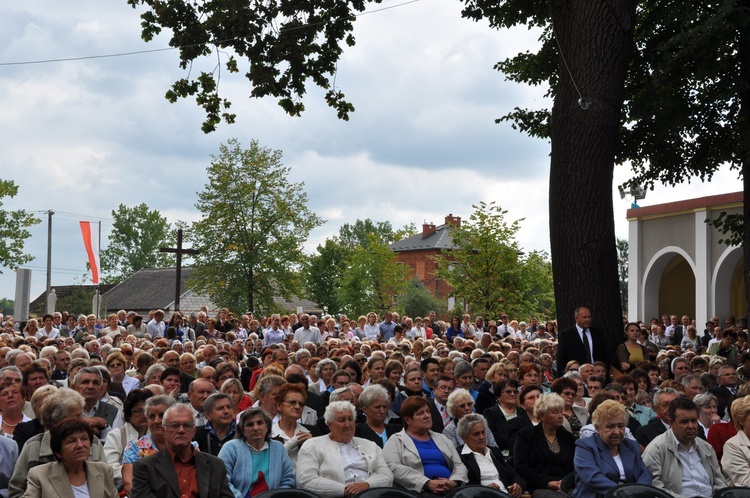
687,205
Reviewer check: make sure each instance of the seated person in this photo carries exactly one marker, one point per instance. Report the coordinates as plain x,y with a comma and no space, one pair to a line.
679,460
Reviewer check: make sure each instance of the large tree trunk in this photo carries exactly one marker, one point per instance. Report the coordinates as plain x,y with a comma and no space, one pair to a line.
595,37
744,148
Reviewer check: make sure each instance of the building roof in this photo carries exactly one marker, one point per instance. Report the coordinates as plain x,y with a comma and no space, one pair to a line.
39,305
440,240
710,202
152,288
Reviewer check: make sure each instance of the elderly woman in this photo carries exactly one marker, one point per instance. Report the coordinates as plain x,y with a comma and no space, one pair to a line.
340,464
459,404
11,408
117,364
575,417
485,465
135,426
543,454
71,474
526,418
608,458
59,405
505,410
707,411
421,460
735,460
254,461
290,400
374,402
150,443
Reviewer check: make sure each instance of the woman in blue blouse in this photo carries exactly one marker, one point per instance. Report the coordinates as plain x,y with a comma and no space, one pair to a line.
422,460
254,462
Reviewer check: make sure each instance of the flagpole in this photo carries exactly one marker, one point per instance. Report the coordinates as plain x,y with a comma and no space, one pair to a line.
99,252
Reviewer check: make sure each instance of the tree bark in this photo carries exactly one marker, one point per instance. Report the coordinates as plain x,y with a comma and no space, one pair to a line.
595,38
743,122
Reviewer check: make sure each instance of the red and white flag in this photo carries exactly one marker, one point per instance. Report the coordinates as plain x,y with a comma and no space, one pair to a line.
90,233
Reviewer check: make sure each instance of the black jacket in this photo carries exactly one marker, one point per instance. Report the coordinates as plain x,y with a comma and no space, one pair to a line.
507,474
570,347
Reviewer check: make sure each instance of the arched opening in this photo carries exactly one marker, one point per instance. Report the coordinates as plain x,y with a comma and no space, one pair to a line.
668,285
677,288
729,285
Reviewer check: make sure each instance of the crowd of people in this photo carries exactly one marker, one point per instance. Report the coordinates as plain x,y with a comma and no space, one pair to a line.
232,406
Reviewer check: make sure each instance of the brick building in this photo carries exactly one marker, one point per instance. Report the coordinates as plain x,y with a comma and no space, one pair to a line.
419,252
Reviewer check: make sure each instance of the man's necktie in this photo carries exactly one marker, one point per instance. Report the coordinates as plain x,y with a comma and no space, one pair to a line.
586,345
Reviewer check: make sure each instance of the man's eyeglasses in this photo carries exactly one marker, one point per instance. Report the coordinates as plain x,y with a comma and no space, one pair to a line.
176,427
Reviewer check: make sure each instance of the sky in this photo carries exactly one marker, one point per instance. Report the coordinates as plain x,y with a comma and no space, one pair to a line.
82,137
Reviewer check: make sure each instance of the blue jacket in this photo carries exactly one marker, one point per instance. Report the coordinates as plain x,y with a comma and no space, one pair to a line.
597,472
239,464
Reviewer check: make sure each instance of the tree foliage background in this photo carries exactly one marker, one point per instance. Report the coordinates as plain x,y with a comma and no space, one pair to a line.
254,222
356,272
133,244
488,270
14,231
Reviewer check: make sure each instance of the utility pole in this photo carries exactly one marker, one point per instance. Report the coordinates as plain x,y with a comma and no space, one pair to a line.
49,251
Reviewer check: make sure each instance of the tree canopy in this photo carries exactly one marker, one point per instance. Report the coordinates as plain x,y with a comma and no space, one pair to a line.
254,222
14,231
488,270
137,234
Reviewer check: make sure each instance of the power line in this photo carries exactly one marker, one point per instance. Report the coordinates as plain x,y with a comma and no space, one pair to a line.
218,42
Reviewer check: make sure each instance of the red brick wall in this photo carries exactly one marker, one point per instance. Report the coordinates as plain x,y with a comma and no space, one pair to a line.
422,264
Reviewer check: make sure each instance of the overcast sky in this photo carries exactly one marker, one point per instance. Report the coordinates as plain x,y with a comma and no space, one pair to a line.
81,137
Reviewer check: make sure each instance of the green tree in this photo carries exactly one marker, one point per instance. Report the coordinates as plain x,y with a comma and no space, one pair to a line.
622,269
6,306
79,301
372,280
137,234
288,42
14,231
254,222
488,270
357,234
415,300
323,272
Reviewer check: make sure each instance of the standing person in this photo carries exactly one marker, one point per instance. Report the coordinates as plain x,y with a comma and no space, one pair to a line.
630,353
155,327
200,474
581,343
385,329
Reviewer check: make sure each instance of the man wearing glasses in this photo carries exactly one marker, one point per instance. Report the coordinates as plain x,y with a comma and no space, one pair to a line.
179,470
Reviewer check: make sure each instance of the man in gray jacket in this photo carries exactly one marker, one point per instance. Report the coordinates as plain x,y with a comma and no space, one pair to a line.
681,462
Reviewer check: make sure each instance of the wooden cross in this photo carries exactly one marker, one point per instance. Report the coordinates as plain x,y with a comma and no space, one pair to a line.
179,250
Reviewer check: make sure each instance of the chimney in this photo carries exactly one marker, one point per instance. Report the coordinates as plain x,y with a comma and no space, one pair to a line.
453,220
427,229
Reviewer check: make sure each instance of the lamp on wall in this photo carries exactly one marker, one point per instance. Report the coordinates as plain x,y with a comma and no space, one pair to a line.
637,193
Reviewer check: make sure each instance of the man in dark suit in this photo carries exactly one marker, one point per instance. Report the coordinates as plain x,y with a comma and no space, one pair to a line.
658,426
581,343
675,331
156,475
726,389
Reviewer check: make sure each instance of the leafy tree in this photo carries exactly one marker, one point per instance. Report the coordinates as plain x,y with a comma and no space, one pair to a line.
79,301
137,234
13,230
287,42
487,270
622,269
358,233
372,280
254,222
415,300
323,272
6,306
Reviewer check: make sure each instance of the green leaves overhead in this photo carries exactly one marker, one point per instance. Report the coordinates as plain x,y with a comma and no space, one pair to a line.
280,45
14,231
